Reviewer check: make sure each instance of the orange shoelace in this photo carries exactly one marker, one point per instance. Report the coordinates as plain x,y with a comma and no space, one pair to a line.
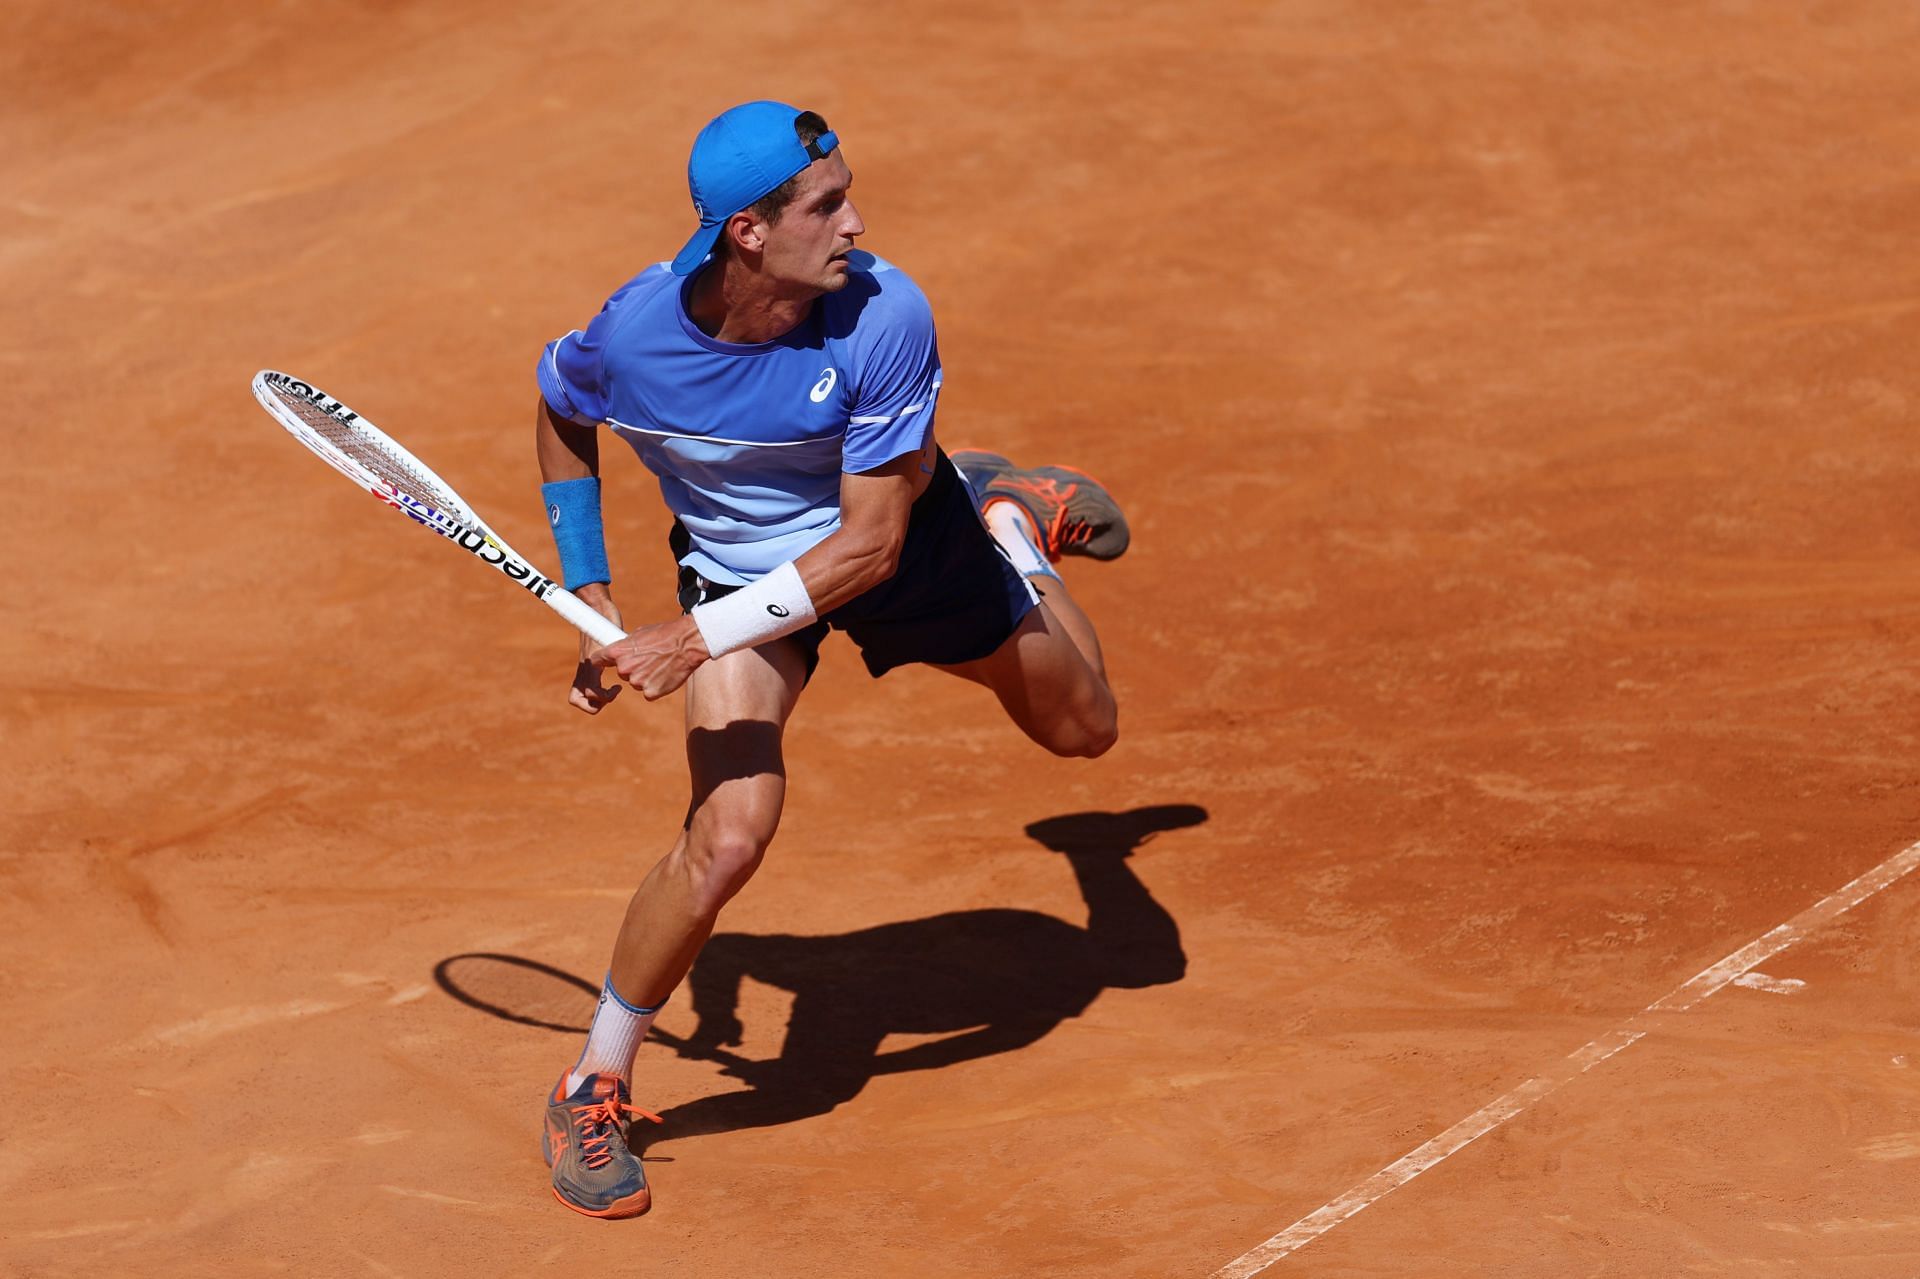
598,1122
1063,532
1046,489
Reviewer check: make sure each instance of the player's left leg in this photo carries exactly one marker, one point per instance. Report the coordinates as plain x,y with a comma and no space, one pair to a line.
1048,684
1050,674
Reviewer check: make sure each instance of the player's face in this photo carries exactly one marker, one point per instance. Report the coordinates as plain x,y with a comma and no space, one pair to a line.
808,246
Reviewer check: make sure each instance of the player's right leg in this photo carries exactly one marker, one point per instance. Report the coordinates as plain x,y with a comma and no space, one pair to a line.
737,709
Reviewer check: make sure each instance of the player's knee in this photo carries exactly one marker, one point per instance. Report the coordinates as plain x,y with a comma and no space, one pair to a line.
1099,738
1101,724
1103,737
723,861
1087,736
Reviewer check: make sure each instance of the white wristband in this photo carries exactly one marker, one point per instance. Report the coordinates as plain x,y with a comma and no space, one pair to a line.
776,605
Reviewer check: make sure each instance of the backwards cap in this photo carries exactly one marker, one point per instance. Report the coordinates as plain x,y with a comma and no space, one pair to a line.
740,156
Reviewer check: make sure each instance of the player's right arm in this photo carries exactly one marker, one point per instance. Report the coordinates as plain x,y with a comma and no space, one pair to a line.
570,451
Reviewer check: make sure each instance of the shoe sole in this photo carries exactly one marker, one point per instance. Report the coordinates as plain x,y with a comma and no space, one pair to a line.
631,1206
954,456
1074,471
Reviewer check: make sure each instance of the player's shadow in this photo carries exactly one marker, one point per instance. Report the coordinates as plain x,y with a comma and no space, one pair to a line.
982,981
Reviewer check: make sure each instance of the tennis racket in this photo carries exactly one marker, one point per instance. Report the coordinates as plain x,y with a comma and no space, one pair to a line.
369,457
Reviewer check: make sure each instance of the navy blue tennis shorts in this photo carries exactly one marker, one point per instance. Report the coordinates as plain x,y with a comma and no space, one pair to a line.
954,597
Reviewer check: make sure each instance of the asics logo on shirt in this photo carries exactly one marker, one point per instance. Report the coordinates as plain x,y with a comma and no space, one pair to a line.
824,387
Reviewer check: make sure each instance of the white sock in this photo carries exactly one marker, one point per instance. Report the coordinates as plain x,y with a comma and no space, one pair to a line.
618,1028
1013,529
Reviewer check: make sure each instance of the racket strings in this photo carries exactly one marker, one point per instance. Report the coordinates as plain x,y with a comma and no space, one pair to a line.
371,452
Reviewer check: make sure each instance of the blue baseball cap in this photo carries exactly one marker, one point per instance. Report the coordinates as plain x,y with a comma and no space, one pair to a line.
739,157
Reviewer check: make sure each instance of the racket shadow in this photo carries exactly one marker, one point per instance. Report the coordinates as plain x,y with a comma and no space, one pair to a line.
982,981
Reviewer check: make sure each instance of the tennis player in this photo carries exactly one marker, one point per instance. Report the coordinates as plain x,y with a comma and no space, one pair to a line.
781,385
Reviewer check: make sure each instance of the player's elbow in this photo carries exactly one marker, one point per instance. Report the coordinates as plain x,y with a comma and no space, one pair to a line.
875,559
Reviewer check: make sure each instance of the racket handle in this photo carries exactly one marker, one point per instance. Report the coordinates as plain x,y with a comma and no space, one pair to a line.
598,628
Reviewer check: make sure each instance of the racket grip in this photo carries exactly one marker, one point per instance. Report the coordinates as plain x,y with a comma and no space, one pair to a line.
598,628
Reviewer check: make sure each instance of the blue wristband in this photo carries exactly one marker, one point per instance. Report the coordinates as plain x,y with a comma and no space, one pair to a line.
573,510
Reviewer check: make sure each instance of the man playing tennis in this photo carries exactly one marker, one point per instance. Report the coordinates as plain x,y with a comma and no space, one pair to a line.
781,385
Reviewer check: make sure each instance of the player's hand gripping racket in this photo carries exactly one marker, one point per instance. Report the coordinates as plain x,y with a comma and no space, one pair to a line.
365,454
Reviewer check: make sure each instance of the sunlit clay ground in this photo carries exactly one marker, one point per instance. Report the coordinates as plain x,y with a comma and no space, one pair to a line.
1515,410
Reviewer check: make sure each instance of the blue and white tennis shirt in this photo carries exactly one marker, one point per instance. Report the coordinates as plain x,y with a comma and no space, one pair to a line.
749,441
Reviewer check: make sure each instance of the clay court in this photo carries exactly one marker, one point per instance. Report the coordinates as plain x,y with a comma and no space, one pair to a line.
1515,409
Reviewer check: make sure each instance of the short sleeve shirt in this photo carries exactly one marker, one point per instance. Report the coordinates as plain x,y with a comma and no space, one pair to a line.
749,441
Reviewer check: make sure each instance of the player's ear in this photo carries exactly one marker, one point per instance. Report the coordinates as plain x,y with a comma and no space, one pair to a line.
745,234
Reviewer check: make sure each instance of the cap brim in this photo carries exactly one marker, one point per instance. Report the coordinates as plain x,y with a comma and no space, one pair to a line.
688,260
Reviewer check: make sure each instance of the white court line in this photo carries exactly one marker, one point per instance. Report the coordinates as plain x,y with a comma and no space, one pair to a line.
1494,1113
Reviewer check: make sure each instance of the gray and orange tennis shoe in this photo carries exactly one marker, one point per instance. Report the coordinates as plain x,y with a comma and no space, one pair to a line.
584,1141
1073,512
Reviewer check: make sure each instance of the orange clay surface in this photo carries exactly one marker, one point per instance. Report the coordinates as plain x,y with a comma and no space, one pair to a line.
1515,406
